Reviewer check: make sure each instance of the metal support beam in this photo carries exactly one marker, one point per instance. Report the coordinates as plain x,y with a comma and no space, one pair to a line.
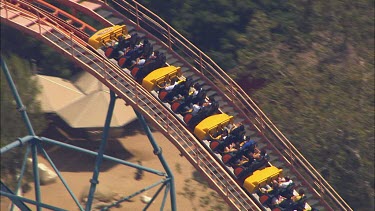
99,157
163,181
69,146
34,154
165,196
19,198
61,178
23,169
19,142
20,204
154,196
158,152
34,145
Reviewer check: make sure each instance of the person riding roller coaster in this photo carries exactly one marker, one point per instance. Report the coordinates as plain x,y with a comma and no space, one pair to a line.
175,91
117,50
184,105
272,197
225,145
206,110
257,161
130,55
152,63
143,50
295,203
228,139
232,158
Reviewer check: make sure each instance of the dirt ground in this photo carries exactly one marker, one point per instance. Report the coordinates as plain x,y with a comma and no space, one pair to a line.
76,168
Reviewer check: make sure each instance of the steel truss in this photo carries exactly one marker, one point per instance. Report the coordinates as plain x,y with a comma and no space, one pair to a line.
32,142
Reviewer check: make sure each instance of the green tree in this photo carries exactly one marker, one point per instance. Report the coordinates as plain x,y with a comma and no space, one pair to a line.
48,61
212,25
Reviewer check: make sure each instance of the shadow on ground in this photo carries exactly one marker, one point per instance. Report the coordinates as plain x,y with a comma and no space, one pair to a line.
70,160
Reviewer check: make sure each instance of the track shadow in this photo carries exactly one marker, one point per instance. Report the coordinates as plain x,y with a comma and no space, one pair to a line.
134,128
70,160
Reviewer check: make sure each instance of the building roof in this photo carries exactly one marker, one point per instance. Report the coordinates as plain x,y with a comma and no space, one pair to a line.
91,111
56,93
88,83
82,104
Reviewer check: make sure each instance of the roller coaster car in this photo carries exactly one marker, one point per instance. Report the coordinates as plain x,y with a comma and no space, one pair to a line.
266,198
141,71
180,89
288,191
106,35
144,51
161,76
193,120
242,172
260,178
235,136
117,50
290,205
125,61
232,157
238,132
212,125
219,146
183,106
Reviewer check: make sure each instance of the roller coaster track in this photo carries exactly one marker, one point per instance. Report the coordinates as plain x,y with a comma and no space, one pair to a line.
69,35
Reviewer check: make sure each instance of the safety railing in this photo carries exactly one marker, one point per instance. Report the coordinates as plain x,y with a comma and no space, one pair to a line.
145,18
54,15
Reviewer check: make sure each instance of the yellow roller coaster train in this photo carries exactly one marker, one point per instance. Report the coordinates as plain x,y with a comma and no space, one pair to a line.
200,114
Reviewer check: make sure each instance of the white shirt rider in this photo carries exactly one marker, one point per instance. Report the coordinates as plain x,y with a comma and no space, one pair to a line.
196,108
170,87
141,62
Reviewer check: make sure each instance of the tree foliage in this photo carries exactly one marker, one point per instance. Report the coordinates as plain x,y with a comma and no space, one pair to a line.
48,61
210,24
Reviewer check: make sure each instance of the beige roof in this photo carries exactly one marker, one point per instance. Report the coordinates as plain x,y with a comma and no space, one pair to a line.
91,111
88,83
56,93
83,103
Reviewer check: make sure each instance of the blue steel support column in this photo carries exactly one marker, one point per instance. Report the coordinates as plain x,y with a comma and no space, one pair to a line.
21,108
163,181
16,198
34,153
20,204
61,177
158,152
154,196
14,144
99,158
20,177
165,196
79,149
